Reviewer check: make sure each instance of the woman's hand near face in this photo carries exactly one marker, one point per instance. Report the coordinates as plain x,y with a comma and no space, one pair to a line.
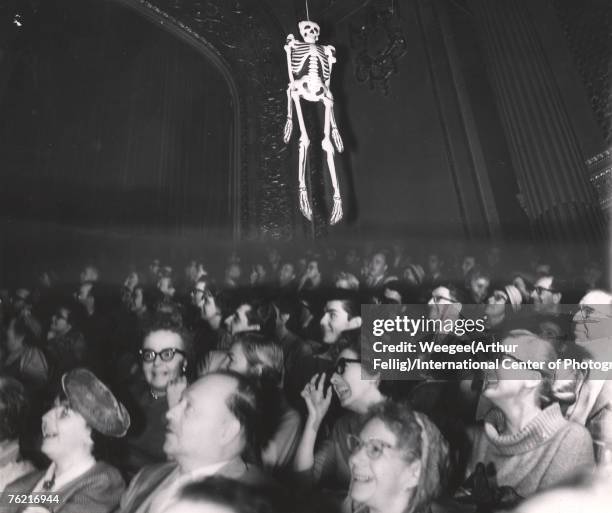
317,400
175,390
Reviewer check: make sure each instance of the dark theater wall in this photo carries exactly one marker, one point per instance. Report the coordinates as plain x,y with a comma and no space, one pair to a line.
131,129
416,162
110,123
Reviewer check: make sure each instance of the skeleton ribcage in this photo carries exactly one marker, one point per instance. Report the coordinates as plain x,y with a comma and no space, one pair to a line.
309,59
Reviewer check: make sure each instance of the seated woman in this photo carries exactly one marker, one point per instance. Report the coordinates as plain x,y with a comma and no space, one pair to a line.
13,406
501,306
81,483
164,363
525,443
329,463
399,462
253,355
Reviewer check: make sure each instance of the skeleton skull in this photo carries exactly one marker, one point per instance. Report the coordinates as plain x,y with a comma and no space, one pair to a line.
309,30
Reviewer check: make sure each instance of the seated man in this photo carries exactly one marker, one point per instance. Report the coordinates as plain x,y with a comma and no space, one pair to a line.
208,432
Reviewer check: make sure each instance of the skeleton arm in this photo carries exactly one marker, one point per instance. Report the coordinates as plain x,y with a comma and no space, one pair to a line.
288,49
330,52
289,123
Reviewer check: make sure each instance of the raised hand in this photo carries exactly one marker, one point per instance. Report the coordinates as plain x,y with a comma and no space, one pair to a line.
317,400
175,390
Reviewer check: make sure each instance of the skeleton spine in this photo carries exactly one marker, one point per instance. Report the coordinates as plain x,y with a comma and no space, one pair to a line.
313,68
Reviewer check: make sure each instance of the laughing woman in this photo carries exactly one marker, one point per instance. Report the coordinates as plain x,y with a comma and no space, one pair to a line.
80,483
329,463
399,462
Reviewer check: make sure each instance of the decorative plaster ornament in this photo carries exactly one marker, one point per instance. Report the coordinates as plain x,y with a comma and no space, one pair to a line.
310,67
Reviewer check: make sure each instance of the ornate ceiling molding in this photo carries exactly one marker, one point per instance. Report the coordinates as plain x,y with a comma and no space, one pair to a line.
379,42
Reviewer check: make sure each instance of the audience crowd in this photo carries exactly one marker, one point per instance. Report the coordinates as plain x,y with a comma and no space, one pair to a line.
247,389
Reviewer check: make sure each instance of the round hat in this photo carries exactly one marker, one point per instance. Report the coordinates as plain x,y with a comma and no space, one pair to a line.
95,402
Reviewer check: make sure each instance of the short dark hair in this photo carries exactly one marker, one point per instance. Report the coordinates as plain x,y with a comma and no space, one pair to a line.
13,408
476,273
456,294
558,284
350,301
263,314
238,496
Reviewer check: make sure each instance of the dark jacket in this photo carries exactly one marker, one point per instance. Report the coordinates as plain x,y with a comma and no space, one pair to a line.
96,491
139,495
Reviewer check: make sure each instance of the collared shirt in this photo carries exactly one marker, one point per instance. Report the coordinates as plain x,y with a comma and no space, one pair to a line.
168,490
62,480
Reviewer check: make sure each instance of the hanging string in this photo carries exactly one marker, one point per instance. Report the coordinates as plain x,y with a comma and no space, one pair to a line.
307,13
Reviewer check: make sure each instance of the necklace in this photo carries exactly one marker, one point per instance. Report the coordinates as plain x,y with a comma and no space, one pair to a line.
156,395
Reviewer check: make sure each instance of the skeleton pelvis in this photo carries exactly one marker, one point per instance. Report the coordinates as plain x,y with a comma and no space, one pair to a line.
311,90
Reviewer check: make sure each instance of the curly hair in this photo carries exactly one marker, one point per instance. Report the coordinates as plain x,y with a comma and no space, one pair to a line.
13,408
419,440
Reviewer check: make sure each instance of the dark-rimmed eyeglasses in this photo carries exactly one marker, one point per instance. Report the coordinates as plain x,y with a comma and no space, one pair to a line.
592,315
196,291
374,447
540,290
342,363
437,299
166,355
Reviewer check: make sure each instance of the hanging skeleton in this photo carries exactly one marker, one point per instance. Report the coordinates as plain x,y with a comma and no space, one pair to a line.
310,68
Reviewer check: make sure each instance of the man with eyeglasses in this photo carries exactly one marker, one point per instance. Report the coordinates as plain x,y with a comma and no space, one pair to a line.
593,406
198,293
547,294
444,303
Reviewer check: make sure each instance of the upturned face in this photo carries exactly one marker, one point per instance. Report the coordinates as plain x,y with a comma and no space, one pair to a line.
202,414
63,429
309,30
380,471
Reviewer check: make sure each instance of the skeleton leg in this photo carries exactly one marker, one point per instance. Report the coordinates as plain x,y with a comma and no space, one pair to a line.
289,123
304,143
328,148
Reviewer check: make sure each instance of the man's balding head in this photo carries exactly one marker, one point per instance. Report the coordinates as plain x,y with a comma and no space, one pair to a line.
214,421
